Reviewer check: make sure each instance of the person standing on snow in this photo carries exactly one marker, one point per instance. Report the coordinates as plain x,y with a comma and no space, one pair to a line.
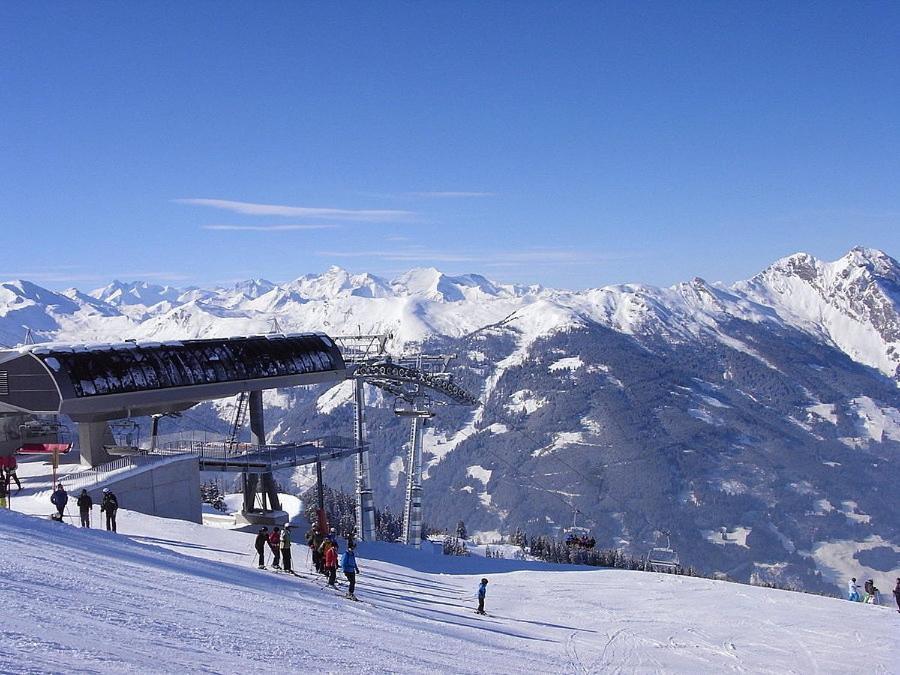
482,592
59,499
897,593
275,545
323,551
262,537
11,474
852,590
331,561
351,569
85,504
4,488
313,540
286,548
109,505
871,593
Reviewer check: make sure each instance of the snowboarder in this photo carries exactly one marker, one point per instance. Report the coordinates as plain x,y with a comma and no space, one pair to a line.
85,504
853,591
482,591
109,505
331,561
261,538
897,593
351,569
274,544
59,499
286,548
3,490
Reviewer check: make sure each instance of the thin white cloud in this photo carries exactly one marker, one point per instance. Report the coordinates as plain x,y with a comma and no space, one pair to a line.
251,209
450,194
268,228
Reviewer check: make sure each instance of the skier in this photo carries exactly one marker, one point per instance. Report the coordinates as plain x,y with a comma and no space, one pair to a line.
11,473
871,593
3,491
85,504
351,569
109,505
286,549
331,561
323,551
274,544
482,591
853,591
59,499
261,538
897,593
313,541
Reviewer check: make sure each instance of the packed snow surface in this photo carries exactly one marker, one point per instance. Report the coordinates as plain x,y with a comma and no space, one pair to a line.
172,596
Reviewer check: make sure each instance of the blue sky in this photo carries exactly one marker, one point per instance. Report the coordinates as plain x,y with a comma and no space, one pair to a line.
569,144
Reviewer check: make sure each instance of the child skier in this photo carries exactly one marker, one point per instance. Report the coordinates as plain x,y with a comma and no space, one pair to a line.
482,591
853,590
351,569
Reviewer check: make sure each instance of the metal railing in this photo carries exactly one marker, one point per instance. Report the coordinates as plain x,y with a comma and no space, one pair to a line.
97,474
221,456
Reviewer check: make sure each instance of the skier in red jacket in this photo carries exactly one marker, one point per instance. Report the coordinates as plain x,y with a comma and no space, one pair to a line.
275,545
331,561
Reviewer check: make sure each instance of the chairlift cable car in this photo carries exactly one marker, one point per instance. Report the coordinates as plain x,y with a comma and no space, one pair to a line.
663,558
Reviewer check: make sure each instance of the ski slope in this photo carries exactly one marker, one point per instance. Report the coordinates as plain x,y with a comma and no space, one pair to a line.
173,596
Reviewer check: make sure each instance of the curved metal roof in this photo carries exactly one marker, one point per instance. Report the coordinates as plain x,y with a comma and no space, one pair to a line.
104,381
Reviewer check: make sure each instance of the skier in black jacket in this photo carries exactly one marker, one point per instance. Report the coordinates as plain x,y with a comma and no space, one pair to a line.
109,505
897,593
262,538
85,504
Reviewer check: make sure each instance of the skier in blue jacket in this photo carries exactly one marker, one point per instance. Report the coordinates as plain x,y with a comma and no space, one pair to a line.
351,569
482,591
59,499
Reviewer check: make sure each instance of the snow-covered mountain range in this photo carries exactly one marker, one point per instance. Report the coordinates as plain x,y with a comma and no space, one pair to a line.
757,422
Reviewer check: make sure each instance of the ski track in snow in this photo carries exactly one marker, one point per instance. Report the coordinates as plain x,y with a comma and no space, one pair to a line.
167,596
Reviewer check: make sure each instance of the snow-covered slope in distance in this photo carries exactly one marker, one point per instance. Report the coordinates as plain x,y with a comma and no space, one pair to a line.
852,302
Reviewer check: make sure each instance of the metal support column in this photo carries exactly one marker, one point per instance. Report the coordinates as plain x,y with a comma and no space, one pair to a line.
92,436
412,511
258,438
154,431
321,516
365,503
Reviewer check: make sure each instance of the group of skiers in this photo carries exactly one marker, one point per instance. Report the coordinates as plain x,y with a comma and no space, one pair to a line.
871,595
324,551
108,505
7,476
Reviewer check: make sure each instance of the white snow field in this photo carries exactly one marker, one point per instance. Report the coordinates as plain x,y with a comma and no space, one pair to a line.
171,596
